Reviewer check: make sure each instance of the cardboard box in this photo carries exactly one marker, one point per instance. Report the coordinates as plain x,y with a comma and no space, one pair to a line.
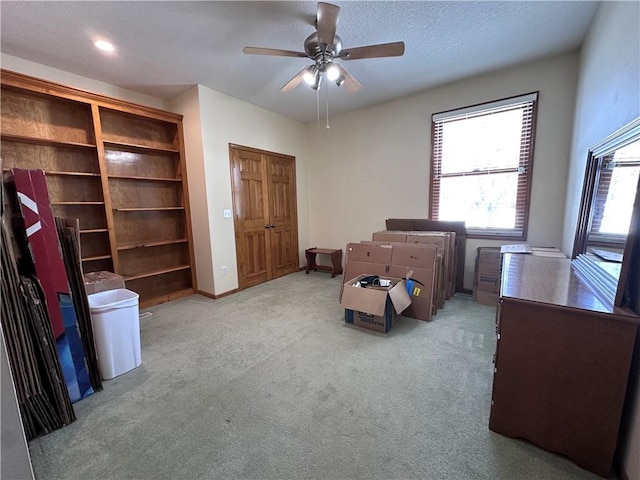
418,262
358,252
419,256
441,283
374,308
446,245
421,292
372,259
95,282
390,236
355,269
488,270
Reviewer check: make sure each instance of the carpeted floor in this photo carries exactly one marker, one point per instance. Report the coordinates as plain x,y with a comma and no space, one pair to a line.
270,383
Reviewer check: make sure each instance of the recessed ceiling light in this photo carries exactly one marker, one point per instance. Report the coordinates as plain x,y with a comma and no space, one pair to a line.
104,45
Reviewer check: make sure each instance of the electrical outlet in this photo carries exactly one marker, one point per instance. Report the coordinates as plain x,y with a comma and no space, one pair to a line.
224,270
226,213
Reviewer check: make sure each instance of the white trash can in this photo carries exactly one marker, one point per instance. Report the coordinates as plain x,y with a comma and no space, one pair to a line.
116,331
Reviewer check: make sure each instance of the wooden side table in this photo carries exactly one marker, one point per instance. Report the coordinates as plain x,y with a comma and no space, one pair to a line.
336,260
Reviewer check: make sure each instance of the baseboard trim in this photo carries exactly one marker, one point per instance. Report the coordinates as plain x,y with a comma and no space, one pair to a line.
215,297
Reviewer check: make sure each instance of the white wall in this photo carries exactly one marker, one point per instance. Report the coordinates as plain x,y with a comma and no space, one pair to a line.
608,93
37,70
374,163
225,120
188,104
608,97
16,461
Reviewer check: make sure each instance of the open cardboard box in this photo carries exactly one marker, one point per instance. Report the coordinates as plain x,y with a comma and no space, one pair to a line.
374,308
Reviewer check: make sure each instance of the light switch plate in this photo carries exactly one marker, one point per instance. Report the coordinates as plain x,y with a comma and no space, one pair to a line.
226,213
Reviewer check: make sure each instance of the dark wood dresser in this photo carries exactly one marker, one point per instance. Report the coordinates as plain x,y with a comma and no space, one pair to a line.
562,362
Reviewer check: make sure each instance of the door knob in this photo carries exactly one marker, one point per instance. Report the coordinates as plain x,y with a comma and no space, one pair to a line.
273,225
266,225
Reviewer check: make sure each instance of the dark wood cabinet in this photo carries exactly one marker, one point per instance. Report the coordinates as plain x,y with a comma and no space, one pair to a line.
562,362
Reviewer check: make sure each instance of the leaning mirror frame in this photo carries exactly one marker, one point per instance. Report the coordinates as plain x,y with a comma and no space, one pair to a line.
626,290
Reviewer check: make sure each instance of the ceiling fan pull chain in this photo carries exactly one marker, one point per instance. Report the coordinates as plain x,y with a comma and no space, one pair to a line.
326,88
318,105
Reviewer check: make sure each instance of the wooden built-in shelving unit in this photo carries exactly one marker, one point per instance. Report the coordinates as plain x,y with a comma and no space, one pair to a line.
117,167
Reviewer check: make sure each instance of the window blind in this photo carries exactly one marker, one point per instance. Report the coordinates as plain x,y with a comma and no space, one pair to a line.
521,167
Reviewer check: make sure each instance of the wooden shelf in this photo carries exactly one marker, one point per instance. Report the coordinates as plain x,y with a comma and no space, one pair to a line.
103,156
67,174
147,209
97,257
154,273
136,147
44,141
71,174
149,302
152,179
129,246
77,203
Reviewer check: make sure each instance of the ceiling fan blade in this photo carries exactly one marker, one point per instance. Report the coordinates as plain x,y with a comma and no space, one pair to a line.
395,49
294,82
326,22
273,51
350,83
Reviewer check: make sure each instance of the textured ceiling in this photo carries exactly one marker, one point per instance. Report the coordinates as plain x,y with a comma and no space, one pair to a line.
165,47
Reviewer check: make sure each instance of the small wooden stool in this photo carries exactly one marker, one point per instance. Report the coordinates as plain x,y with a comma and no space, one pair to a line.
336,260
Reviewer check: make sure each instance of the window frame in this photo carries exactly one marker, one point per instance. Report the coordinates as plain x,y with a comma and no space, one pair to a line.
526,152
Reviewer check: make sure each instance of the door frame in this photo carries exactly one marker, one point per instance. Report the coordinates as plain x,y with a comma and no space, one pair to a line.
236,226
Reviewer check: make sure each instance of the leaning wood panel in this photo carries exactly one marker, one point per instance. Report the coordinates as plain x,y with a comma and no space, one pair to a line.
121,161
149,226
45,117
49,158
135,130
128,193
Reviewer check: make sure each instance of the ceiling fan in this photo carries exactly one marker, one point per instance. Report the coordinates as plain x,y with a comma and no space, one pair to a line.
323,47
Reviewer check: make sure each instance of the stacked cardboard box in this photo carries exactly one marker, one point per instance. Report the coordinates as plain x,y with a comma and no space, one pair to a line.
446,243
486,282
486,278
415,263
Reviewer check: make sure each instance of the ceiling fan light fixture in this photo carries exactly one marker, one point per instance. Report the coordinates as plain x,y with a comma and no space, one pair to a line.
316,84
340,80
333,72
310,74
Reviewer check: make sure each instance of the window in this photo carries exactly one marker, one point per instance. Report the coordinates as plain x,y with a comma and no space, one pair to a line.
481,166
